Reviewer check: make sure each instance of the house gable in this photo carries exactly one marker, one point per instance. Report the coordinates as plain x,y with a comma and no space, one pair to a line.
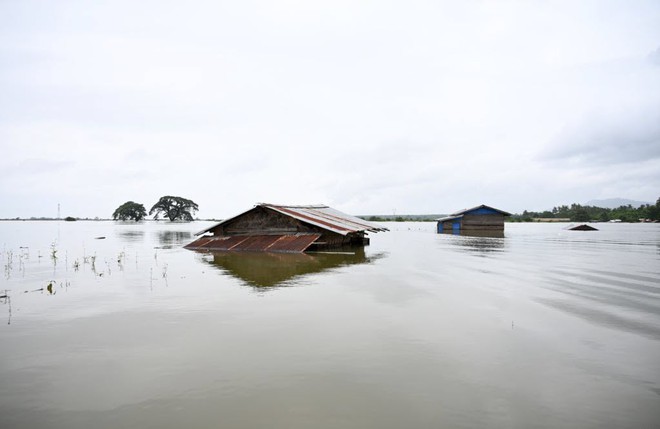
263,221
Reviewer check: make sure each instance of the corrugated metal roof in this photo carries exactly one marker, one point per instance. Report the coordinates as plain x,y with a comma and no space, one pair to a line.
327,218
291,243
318,215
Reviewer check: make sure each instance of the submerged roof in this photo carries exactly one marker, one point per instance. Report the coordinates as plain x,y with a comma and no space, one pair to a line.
583,227
285,243
319,215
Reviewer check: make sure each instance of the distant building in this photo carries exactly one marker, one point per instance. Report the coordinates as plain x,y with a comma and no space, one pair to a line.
480,218
290,229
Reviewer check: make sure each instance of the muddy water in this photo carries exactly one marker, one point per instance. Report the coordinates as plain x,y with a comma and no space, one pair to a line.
540,328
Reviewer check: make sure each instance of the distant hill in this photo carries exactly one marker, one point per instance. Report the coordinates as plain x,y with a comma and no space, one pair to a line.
613,203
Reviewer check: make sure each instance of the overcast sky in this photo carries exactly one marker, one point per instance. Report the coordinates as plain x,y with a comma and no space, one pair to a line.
371,107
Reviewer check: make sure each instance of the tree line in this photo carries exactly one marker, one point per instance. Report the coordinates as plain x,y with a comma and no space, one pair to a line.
580,213
173,208
178,208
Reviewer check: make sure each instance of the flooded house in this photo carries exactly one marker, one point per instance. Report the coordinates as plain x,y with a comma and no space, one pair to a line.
286,228
477,219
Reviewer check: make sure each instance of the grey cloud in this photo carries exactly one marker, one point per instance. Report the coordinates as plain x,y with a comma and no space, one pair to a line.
654,57
33,166
623,125
610,138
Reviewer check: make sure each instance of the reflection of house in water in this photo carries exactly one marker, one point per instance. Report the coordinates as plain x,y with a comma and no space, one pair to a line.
480,218
263,269
481,234
480,242
168,239
288,229
131,236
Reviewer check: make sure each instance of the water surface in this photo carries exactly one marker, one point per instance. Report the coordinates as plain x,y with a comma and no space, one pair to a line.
540,328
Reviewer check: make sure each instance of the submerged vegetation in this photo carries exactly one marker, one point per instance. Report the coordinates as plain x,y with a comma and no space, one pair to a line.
47,271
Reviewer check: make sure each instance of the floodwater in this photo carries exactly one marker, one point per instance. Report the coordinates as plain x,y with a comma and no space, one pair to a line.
541,328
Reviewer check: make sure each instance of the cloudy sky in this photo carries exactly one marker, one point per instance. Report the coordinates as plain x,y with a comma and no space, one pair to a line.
368,106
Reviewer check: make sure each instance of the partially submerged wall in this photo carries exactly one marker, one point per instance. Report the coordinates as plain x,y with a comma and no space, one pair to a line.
483,222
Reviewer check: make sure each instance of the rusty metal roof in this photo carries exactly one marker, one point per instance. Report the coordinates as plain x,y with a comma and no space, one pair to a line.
327,218
319,215
287,243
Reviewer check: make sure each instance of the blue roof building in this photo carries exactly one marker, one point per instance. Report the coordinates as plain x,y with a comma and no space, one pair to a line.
480,218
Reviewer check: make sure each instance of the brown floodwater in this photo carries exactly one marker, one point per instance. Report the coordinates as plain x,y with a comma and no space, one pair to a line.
540,328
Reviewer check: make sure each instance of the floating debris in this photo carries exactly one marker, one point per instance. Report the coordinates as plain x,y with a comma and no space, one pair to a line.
99,238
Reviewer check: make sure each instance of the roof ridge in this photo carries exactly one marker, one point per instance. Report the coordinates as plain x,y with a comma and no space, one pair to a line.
296,206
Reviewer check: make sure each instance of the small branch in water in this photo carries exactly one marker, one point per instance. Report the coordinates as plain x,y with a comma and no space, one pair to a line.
53,252
165,274
7,300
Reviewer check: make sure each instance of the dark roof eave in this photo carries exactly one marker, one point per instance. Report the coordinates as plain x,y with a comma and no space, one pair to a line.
447,218
482,206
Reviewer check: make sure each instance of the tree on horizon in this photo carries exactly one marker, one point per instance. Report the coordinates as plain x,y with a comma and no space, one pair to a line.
174,208
130,211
